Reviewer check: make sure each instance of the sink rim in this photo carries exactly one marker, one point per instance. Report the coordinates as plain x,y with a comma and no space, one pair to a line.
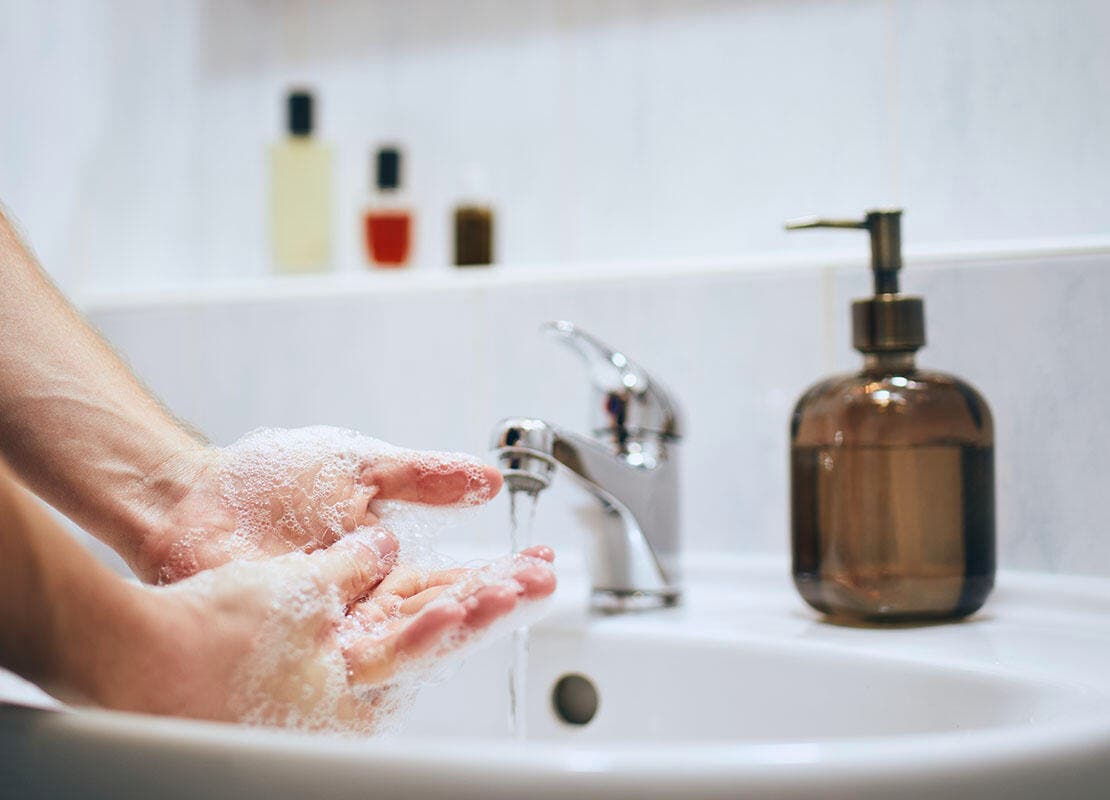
1045,599
981,748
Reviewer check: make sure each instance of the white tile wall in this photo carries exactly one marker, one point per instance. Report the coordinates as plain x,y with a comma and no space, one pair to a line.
97,147
437,368
135,133
1002,114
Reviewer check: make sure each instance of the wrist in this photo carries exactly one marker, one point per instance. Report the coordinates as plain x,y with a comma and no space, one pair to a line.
176,497
95,639
149,652
123,651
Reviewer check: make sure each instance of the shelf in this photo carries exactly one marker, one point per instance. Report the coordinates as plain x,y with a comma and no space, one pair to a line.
429,280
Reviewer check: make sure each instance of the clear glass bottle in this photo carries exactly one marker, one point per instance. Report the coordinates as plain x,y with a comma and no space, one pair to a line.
892,471
300,193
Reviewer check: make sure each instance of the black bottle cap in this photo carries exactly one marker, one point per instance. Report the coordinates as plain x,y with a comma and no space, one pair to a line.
300,113
389,168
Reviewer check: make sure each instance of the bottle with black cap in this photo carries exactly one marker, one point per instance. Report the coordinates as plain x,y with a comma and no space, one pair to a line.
388,219
892,468
300,192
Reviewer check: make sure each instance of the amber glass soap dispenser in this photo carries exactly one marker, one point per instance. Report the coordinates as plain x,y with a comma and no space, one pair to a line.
892,468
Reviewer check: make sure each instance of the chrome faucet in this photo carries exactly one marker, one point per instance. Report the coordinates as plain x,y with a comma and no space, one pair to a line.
629,464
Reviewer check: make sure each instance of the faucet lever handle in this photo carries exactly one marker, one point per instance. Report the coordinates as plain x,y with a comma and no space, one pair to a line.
633,401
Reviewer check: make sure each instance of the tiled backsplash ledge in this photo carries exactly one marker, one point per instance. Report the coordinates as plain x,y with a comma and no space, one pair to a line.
424,278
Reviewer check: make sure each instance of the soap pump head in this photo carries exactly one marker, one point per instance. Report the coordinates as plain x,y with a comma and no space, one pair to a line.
888,322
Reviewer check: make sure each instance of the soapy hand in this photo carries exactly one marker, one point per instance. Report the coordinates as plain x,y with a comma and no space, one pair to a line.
303,592
276,492
328,640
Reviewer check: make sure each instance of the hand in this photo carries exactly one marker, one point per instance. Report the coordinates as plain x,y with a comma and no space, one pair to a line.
304,640
276,492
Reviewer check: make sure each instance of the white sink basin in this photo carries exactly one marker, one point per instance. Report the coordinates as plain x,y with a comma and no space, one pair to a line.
742,692
675,689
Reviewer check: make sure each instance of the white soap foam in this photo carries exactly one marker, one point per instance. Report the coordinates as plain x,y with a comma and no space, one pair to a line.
301,489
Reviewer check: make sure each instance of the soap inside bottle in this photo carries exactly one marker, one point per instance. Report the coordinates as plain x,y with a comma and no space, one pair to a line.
893,494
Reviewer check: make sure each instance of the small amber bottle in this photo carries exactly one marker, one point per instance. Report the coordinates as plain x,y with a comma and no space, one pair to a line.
892,469
474,221
473,236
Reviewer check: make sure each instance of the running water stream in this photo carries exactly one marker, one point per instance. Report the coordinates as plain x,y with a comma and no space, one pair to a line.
522,513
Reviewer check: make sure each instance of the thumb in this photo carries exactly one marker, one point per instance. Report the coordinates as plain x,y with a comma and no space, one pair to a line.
356,563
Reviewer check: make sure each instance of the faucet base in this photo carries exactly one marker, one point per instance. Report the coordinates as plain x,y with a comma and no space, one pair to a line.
620,601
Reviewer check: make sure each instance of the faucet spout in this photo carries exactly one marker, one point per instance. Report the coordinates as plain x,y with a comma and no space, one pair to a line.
525,450
634,558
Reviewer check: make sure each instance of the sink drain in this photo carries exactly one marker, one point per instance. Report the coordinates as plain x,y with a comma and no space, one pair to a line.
574,699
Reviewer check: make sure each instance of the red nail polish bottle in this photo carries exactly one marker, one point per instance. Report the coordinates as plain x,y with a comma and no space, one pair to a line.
388,222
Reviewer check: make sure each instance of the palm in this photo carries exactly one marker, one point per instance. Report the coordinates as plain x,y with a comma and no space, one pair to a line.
278,506
401,614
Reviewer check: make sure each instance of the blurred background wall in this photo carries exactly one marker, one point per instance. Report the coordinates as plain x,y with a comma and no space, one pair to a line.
642,156
135,133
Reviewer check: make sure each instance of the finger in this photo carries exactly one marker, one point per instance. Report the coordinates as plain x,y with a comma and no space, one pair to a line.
356,511
417,602
417,478
403,582
445,577
539,551
375,660
535,582
406,582
356,563
487,604
458,574
462,576
367,614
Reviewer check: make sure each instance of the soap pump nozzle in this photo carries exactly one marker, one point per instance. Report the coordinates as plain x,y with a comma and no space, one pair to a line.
889,321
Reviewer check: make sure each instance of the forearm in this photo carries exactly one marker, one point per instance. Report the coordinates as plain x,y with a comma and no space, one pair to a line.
75,424
64,615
